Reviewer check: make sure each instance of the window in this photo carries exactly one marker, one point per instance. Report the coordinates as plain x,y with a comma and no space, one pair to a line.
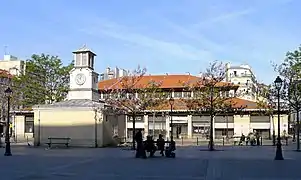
141,95
166,94
187,94
77,59
105,96
177,94
137,118
248,81
235,73
29,124
91,59
84,60
131,95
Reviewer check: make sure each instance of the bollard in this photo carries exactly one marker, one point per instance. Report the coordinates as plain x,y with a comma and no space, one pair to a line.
223,141
197,141
182,141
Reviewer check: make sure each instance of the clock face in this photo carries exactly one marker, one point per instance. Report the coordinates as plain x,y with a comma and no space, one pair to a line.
80,79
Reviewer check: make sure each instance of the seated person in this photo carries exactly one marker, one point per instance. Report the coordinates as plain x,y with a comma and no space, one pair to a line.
169,152
161,144
150,146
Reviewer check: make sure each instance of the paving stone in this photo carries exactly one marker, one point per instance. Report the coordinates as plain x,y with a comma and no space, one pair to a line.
235,163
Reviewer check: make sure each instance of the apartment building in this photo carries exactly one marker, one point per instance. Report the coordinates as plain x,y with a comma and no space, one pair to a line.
244,77
12,64
113,73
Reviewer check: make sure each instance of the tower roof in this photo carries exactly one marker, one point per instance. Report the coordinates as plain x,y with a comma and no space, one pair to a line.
83,49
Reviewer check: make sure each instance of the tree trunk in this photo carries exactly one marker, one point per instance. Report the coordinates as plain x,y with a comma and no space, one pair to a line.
95,128
298,131
134,130
211,146
227,130
154,116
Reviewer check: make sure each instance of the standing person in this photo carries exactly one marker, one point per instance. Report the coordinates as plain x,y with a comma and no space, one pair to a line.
140,149
242,139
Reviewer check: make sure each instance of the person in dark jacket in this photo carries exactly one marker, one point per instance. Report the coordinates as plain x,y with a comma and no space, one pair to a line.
150,146
140,152
169,151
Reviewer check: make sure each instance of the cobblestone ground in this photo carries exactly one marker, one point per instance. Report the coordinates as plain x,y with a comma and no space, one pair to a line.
235,163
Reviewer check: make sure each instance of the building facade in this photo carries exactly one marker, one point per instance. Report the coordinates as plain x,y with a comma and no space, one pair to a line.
186,124
244,77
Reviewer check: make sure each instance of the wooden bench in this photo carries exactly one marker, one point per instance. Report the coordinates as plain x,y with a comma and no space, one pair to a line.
58,140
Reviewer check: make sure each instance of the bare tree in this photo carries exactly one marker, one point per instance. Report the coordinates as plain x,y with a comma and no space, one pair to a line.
133,94
158,99
210,94
266,101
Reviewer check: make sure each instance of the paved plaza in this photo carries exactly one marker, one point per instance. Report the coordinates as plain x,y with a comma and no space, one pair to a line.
245,163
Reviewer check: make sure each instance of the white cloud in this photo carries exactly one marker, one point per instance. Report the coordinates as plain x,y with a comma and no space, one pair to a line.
224,17
113,30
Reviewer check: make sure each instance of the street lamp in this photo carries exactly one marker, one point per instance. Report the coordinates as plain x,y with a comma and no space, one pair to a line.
171,103
8,93
278,84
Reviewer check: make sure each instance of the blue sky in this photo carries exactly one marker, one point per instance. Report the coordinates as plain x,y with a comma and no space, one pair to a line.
165,36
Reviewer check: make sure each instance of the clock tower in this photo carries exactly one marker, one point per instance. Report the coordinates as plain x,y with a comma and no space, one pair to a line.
83,78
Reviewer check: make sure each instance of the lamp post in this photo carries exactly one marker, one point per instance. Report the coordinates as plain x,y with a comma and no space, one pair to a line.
8,93
171,103
278,84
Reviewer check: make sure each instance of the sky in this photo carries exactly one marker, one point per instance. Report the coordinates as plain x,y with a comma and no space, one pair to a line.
165,36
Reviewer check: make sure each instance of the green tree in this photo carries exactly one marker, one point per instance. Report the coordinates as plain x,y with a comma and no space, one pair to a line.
290,72
46,80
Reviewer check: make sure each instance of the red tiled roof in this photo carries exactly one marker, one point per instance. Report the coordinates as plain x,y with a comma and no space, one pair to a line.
5,73
179,104
166,81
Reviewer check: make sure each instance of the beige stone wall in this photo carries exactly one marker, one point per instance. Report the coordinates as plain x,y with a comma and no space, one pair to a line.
242,124
78,124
